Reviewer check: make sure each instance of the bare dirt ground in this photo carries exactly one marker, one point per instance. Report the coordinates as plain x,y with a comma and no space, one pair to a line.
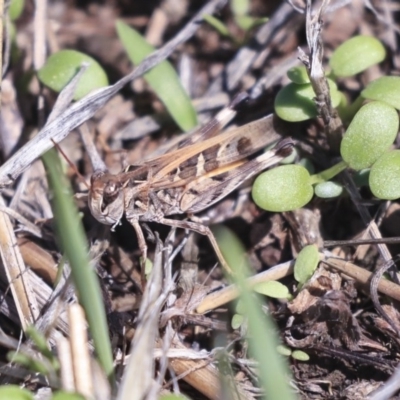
353,349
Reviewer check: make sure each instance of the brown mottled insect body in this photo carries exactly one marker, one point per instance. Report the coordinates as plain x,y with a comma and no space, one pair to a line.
203,169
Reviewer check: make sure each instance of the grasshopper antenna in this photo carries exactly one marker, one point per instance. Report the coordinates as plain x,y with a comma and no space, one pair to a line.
71,164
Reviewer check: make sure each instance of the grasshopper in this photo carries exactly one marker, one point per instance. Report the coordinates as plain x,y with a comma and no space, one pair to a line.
203,169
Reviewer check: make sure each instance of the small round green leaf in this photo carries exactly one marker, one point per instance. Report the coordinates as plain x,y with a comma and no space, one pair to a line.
356,55
306,263
386,89
67,396
14,392
298,75
300,355
284,350
173,396
272,289
328,190
384,177
237,321
295,102
370,133
62,66
15,9
163,78
284,188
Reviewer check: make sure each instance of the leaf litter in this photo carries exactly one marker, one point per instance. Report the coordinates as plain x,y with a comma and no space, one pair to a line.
353,349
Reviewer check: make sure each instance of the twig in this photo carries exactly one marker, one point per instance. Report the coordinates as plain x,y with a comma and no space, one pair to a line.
333,124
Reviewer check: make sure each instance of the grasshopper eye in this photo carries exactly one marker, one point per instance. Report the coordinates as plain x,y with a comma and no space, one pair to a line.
111,190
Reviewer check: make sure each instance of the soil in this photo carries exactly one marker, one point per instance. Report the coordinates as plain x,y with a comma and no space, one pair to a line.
353,345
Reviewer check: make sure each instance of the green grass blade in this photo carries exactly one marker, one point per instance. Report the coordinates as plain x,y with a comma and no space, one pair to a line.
163,78
263,341
73,241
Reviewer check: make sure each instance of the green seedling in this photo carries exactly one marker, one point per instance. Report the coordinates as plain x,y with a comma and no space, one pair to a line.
41,344
173,397
29,362
284,188
241,15
328,190
298,355
67,396
384,178
62,66
15,9
306,263
386,89
371,132
14,392
163,78
284,350
356,55
295,102
272,289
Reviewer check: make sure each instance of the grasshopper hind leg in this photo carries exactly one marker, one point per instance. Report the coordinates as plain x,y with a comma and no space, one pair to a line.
203,230
142,247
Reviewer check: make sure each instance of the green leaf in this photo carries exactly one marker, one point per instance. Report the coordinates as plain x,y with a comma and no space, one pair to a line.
240,7
306,263
162,79
307,164
14,392
29,362
173,397
284,188
237,321
40,342
300,355
298,75
272,289
72,237
284,350
274,375
62,66
246,22
384,177
218,25
356,55
328,190
386,89
15,9
371,132
295,103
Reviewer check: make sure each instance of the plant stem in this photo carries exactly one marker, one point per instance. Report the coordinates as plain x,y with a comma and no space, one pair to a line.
328,173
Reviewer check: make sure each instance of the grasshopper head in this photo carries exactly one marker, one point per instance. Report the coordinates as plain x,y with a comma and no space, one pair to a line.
106,198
